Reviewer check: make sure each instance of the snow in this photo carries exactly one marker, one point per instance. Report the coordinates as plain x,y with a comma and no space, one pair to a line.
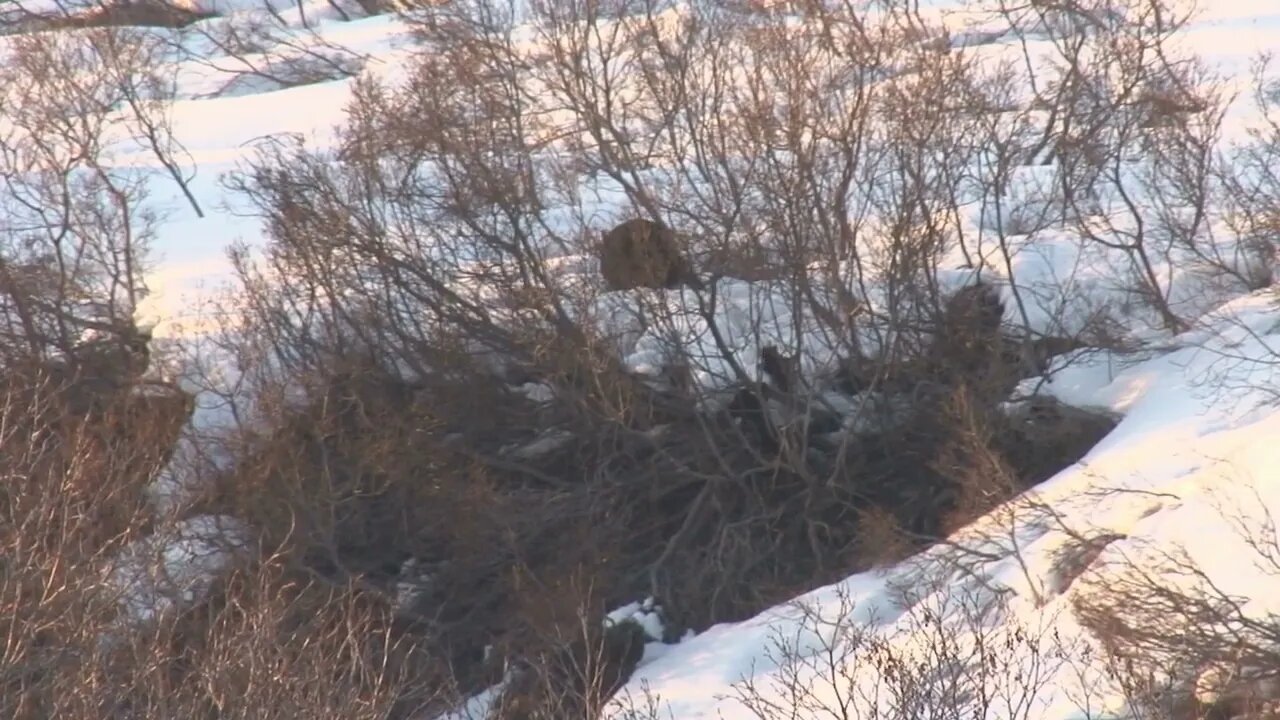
175,567
1194,449
477,706
644,613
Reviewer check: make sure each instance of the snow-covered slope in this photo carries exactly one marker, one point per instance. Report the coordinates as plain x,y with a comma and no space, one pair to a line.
1189,473
1192,460
1194,453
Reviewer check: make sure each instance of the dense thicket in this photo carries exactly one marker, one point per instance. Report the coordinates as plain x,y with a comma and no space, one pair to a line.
475,407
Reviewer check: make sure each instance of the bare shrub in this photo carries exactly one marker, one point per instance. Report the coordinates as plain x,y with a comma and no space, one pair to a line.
1176,642
113,609
495,423
433,385
439,243
955,665
82,643
1132,127
575,676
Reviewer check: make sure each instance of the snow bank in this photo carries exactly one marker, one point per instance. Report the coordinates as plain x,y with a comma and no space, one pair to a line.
176,567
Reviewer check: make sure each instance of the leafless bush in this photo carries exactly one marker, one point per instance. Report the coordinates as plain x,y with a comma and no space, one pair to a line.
114,609
1177,642
261,51
1250,187
574,674
110,614
943,660
443,240
1131,129
440,378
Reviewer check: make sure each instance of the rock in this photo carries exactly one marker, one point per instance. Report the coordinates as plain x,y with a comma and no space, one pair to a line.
1046,435
119,356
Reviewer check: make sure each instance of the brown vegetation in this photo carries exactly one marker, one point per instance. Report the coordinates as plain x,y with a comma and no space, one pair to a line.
429,395
106,14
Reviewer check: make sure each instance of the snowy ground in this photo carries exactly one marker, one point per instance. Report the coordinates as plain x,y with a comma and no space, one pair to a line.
1196,441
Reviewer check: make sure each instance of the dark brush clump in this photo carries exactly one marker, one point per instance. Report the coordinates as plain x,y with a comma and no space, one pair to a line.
643,253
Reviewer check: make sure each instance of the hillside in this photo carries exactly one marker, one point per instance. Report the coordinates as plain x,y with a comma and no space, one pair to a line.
373,247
